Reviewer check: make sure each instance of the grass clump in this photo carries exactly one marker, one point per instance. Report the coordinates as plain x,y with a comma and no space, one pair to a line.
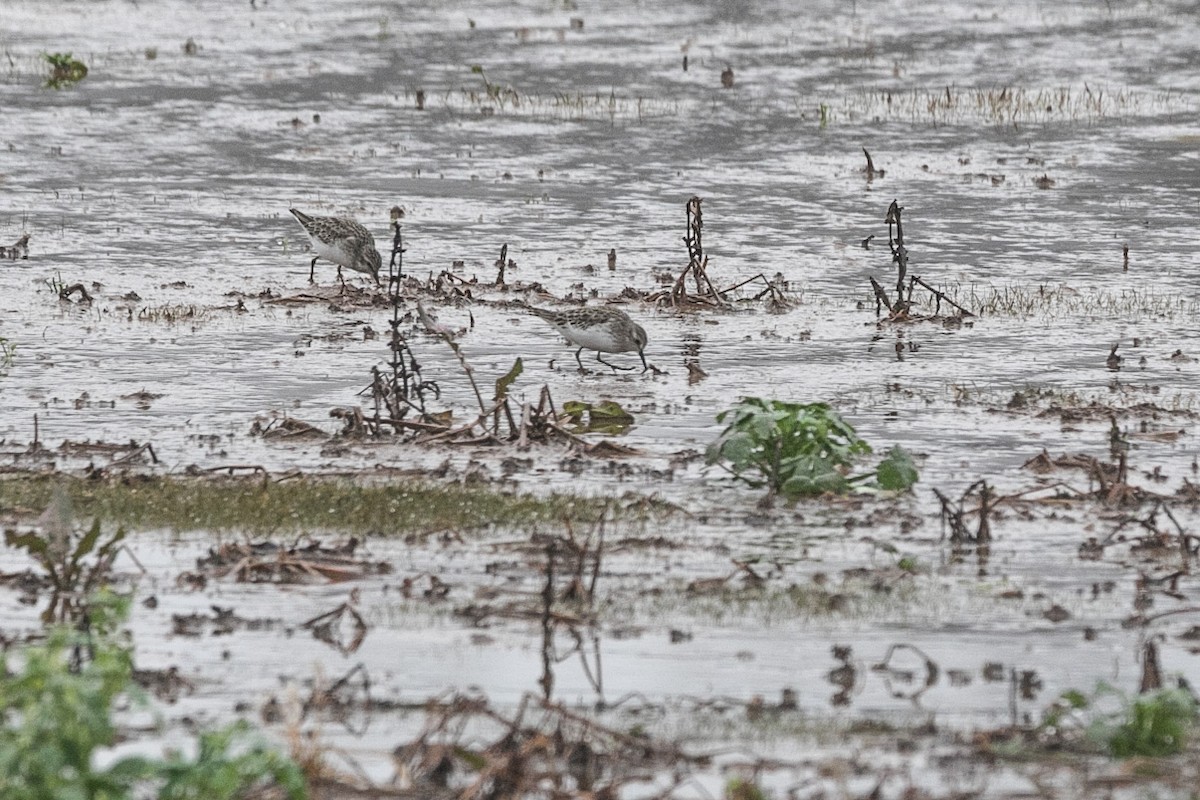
800,450
743,789
306,503
1153,725
1149,725
57,719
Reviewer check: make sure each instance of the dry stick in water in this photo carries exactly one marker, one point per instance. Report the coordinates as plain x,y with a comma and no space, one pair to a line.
398,391
899,253
501,264
547,679
870,168
771,289
697,261
941,296
1151,671
881,298
954,514
899,309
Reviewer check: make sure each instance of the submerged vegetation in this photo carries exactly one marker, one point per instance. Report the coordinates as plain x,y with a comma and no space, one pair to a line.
253,505
1061,300
1009,105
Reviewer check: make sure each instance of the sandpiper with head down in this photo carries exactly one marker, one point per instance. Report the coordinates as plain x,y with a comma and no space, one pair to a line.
600,328
342,241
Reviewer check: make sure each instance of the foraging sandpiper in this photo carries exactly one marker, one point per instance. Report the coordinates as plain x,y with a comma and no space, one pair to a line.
600,328
342,241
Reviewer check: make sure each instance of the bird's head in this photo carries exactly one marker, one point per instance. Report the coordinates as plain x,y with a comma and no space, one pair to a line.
639,337
374,262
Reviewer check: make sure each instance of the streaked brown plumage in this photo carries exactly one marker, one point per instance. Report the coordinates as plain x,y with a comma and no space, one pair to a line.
600,328
342,241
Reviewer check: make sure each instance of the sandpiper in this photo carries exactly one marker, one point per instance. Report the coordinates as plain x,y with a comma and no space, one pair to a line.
342,241
600,328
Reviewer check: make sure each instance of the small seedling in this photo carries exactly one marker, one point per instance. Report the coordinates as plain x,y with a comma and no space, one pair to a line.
65,70
56,283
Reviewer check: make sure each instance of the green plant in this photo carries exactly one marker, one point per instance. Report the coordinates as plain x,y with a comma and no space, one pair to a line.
7,351
799,450
743,789
606,416
55,283
57,717
216,774
63,555
64,70
1155,725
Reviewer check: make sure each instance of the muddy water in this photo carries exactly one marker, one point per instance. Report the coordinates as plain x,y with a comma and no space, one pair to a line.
166,181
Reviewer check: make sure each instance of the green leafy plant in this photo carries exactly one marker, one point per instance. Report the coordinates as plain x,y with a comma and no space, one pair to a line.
607,416
76,565
65,70
800,450
219,774
57,717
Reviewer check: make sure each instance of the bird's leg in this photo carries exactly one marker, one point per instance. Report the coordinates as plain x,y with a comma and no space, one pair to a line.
343,280
312,270
605,363
577,361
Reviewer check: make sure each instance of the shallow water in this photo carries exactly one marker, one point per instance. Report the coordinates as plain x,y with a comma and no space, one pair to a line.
182,167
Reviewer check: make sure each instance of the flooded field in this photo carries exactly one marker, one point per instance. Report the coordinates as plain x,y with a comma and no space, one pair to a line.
166,364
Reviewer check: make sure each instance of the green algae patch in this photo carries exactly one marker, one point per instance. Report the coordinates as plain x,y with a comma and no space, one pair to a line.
308,504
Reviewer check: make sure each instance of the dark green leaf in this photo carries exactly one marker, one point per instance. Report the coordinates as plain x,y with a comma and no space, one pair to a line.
896,472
